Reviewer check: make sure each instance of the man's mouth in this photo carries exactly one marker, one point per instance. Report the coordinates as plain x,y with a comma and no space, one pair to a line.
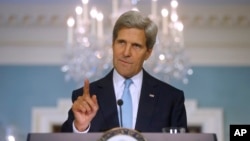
125,62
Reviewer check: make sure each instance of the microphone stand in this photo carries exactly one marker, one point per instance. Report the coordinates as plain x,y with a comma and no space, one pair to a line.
120,103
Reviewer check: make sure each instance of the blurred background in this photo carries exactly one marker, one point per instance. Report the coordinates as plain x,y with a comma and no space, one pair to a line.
33,40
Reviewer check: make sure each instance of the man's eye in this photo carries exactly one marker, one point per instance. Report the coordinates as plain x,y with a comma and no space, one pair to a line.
121,42
136,46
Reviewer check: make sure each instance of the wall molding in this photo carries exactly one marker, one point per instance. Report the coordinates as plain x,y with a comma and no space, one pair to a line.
214,35
192,16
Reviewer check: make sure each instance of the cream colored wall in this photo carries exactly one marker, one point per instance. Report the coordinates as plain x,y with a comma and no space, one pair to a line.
214,35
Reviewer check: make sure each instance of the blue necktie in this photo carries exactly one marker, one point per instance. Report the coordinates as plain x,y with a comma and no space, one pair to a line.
127,105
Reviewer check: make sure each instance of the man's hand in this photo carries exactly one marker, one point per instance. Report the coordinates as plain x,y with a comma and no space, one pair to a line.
84,108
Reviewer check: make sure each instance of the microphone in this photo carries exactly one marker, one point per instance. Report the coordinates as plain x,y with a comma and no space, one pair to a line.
120,103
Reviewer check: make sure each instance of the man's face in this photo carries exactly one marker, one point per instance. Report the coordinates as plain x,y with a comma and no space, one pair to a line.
130,51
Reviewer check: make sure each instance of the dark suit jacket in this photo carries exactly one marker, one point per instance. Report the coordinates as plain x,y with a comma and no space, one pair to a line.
165,109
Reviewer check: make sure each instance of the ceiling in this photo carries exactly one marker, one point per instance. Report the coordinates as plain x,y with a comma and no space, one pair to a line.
188,2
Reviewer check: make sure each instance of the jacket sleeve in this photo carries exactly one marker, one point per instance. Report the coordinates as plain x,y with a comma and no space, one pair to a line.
179,118
67,126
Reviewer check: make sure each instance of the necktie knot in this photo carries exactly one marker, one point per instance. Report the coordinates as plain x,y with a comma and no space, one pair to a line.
127,82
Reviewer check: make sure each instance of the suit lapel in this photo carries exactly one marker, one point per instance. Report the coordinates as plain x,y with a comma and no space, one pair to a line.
107,102
147,103
108,106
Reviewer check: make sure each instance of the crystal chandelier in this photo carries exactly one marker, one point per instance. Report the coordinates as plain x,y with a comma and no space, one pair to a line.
89,52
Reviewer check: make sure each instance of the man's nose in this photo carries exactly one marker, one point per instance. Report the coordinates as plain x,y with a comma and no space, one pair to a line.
127,50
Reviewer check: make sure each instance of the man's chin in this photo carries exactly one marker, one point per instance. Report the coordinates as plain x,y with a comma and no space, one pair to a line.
124,73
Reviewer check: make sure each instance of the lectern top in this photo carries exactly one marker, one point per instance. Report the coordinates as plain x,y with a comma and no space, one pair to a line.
97,136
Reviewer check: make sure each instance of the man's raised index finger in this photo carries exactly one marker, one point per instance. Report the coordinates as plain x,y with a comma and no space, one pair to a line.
86,87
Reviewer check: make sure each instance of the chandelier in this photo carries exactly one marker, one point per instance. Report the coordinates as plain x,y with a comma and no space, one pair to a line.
89,52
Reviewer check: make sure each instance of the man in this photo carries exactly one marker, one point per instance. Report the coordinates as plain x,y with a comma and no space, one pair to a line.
155,104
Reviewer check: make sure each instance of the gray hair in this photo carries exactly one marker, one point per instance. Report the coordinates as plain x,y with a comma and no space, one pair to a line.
135,19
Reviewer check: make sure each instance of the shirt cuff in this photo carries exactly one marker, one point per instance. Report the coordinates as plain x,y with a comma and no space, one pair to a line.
76,131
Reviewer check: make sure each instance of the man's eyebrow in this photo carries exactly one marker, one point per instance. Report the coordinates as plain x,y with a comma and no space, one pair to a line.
137,44
119,40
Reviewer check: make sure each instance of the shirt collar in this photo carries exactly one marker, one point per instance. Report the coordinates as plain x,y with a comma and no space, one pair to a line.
119,80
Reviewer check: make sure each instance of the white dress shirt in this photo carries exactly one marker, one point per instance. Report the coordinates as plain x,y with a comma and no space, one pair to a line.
135,90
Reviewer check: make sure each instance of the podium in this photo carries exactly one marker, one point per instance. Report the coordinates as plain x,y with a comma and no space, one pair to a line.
97,136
